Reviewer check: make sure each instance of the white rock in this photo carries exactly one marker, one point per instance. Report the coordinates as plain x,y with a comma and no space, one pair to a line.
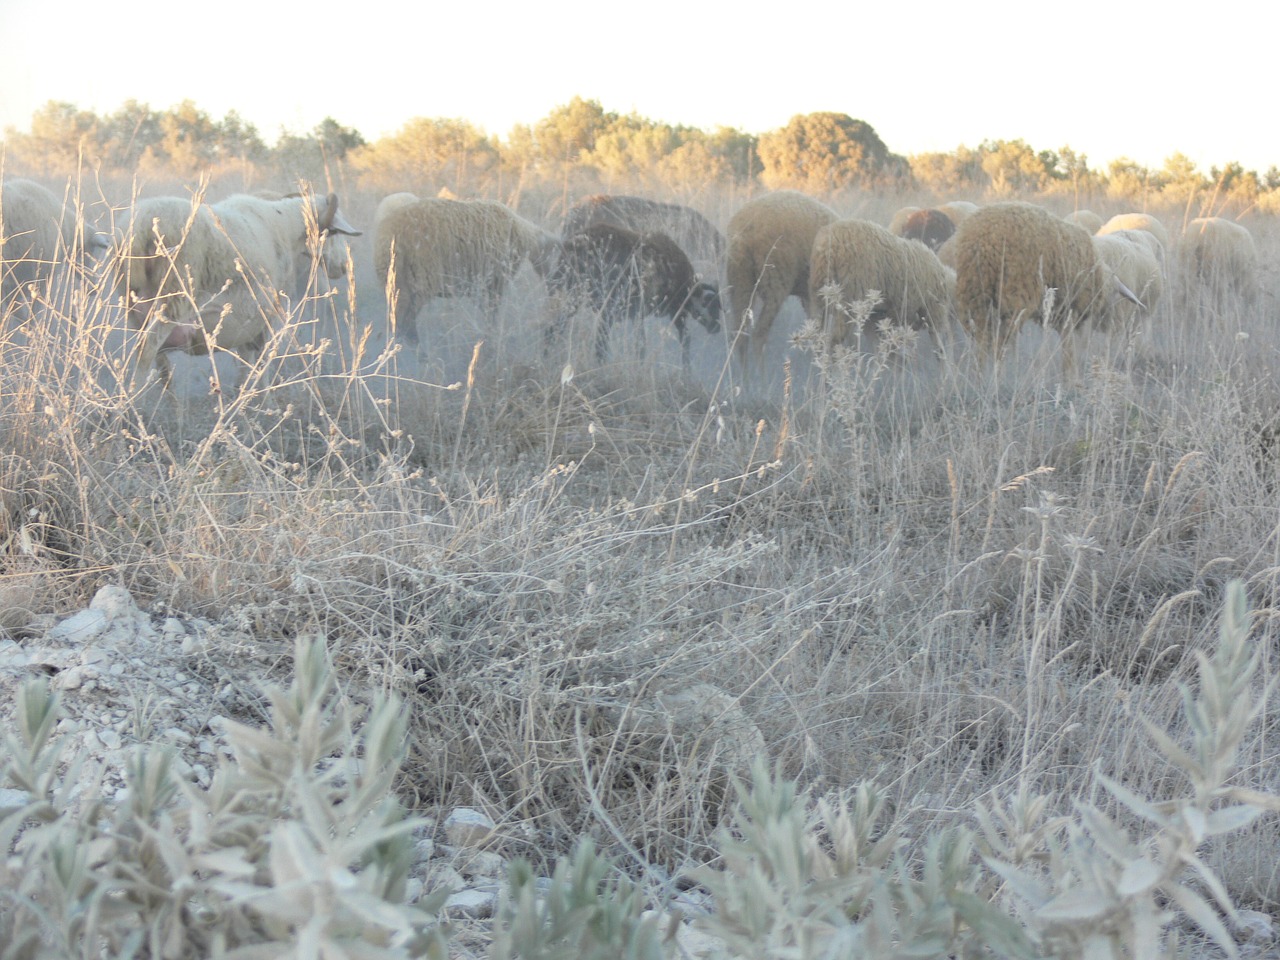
12,655
110,739
413,889
423,850
467,827
81,627
481,863
473,904
115,602
443,876
1254,926
13,799
72,679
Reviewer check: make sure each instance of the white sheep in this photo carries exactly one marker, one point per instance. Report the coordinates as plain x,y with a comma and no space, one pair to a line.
850,258
1221,257
1135,257
39,230
770,239
1009,256
1087,220
328,251
1136,221
958,211
224,271
449,248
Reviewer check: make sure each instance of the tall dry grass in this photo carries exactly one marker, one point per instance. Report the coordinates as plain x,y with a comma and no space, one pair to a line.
600,590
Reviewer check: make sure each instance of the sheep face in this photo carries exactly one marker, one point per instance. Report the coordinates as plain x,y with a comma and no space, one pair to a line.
704,305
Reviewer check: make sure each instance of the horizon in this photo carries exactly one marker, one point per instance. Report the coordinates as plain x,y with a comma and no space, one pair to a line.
954,85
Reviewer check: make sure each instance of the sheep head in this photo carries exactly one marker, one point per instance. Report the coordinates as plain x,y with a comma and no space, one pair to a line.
704,304
329,220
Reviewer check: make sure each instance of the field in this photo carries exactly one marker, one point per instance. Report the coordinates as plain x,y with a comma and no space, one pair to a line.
601,590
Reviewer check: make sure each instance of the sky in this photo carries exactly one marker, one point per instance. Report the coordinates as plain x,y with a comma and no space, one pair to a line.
1140,80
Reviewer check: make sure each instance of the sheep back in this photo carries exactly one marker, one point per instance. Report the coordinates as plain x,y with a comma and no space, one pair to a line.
1007,255
1136,221
853,257
1086,220
627,275
692,232
38,231
770,240
1131,256
1220,256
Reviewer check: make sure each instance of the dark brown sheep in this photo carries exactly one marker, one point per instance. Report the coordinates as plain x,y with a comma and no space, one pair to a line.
696,235
622,274
933,228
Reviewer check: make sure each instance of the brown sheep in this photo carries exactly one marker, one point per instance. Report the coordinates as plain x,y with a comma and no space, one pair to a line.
695,234
1008,255
770,239
626,275
453,248
933,228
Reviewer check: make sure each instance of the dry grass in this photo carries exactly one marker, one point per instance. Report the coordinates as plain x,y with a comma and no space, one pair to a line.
891,565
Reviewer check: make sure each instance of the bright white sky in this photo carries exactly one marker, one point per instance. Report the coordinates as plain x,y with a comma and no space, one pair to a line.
1109,78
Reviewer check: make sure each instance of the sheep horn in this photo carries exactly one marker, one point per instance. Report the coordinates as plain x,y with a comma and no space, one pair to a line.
1129,294
331,221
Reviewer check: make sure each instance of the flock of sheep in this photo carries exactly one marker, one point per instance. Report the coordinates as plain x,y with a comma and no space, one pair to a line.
188,273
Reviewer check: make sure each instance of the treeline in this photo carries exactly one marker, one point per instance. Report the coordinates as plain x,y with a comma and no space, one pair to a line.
581,147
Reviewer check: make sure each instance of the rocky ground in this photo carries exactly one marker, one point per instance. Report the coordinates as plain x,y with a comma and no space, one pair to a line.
128,677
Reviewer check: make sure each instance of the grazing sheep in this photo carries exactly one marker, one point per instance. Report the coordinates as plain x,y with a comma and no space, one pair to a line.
38,231
626,275
453,248
770,239
898,222
933,228
1008,255
695,234
392,201
1087,220
219,270
1136,221
1134,257
329,251
1221,257
856,257
958,211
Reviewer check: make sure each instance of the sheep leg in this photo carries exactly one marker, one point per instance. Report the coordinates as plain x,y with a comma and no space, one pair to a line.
406,319
682,334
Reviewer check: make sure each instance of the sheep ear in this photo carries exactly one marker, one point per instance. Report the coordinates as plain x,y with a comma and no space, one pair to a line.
331,221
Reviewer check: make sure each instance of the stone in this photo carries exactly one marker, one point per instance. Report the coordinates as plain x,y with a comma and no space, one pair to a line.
467,827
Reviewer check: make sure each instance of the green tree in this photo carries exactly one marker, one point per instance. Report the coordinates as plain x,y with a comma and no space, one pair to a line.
949,173
1181,181
824,152
427,154
630,149
1131,182
61,137
1013,168
127,133
312,157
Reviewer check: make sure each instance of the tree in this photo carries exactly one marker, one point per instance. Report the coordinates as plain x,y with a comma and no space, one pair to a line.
949,173
313,156
1182,182
62,135
1129,181
1013,168
824,152
426,154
